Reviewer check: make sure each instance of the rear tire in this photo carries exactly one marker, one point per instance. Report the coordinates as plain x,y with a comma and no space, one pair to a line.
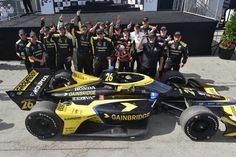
170,77
42,122
61,78
199,123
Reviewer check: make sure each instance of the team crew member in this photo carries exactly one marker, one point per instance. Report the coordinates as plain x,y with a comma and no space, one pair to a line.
36,52
21,51
146,27
163,38
64,48
177,50
116,40
152,53
124,57
102,49
84,56
136,36
50,50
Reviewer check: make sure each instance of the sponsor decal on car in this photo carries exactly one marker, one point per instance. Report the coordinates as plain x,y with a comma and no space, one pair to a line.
81,93
128,117
85,88
83,98
39,84
26,82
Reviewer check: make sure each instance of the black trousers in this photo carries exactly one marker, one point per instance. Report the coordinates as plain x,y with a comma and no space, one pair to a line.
171,65
84,63
99,65
137,58
63,64
28,6
149,71
51,62
124,66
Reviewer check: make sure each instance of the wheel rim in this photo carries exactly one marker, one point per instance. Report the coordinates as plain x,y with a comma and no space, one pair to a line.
202,127
42,125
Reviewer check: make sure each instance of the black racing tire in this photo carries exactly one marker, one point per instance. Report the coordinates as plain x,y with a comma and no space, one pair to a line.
43,122
199,123
171,76
61,78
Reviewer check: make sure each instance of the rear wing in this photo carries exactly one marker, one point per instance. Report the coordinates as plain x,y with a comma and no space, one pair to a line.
28,91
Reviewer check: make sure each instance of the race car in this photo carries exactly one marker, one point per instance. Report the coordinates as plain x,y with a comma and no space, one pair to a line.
118,104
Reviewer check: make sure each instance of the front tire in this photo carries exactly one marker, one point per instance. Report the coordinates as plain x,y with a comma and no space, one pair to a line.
42,122
199,123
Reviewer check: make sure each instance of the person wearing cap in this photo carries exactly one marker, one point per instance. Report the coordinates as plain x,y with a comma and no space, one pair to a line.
21,49
124,52
84,56
163,38
151,55
36,52
177,53
64,49
146,27
136,36
50,47
115,38
102,49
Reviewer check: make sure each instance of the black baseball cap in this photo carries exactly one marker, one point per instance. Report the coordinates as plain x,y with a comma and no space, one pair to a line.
137,25
145,19
117,27
32,34
22,31
125,30
99,31
151,34
163,28
177,34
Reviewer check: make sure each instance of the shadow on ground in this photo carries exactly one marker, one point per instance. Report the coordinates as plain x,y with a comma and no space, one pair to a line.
4,97
160,124
4,125
207,81
4,66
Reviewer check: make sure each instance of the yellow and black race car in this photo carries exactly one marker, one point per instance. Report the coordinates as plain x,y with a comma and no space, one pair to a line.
118,104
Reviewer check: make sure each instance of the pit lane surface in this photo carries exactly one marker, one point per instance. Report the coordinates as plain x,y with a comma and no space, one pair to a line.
165,138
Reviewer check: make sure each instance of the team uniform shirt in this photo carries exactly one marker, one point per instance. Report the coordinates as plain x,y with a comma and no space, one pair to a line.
20,48
152,52
177,50
64,46
83,41
146,30
36,50
101,48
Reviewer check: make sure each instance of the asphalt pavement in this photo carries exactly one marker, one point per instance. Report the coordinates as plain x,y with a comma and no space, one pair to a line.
165,138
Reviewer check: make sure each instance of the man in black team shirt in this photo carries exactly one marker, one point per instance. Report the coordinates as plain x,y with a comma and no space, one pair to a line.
102,49
21,51
177,53
116,40
36,52
152,53
64,49
50,47
84,49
